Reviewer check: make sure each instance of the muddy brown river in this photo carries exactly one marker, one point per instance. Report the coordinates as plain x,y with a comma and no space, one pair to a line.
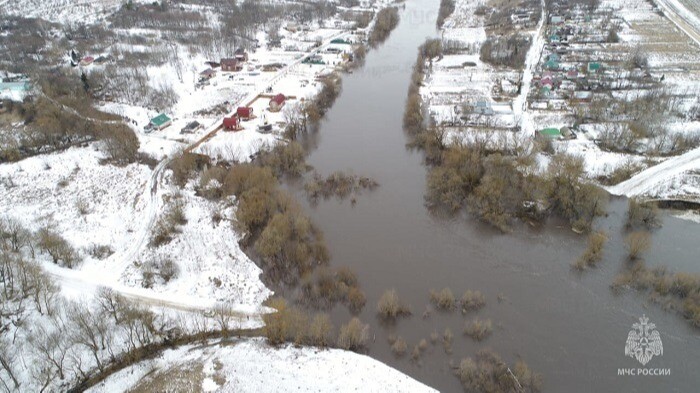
568,326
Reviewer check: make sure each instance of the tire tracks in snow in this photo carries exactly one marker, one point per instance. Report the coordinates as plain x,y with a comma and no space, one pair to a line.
645,181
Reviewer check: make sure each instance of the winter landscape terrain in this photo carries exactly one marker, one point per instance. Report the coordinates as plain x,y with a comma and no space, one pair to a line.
145,222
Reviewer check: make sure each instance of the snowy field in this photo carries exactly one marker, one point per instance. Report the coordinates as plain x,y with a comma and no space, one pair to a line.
252,366
95,205
63,11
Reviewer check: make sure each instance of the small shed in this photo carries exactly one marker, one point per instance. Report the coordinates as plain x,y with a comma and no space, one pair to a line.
207,74
244,112
277,102
551,64
231,123
191,127
567,133
594,67
483,108
161,121
583,95
240,55
87,60
556,20
231,65
549,133
340,41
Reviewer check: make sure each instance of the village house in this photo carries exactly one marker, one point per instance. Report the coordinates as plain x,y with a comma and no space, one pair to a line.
231,123
482,108
231,65
594,67
583,96
292,27
207,74
549,133
87,60
244,112
240,55
277,102
161,122
556,20
191,127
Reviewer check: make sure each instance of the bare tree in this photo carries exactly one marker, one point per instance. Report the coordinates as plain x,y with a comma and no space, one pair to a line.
7,359
89,330
51,347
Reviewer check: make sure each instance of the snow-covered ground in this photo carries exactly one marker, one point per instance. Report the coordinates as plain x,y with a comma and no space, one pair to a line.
94,204
67,11
249,365
468,95
675,178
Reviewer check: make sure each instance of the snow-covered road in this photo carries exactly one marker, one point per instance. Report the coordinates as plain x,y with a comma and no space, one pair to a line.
531,61
688,20
649,180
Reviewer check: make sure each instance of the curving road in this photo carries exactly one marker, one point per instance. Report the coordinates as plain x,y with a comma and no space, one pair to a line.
685,14
645,181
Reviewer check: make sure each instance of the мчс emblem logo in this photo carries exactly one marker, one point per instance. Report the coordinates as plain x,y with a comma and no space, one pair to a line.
644,341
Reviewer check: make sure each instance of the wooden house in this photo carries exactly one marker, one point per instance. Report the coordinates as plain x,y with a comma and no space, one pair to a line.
244,112
231,124
207,74
161,121
240,55
231,65
277,102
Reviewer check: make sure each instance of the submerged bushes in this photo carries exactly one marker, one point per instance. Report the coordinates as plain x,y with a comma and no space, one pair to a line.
274,224
594,251
354,335
339,184
640,214
679,291
488,373
478,329
324,287
472,301
390,307
386,20
443,299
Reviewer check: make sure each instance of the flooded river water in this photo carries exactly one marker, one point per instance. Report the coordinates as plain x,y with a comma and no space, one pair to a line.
568,326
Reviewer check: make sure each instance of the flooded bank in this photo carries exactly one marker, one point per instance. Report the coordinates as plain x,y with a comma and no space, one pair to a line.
568,326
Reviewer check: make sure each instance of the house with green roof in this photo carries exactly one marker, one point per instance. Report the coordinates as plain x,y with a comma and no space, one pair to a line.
340,41
594,67
551,64
161,121
550,133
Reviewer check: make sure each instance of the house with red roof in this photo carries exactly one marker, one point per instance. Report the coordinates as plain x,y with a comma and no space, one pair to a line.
277,102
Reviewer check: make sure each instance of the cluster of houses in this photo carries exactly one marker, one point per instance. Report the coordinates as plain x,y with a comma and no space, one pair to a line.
246,113
230,64
575,63
84,61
